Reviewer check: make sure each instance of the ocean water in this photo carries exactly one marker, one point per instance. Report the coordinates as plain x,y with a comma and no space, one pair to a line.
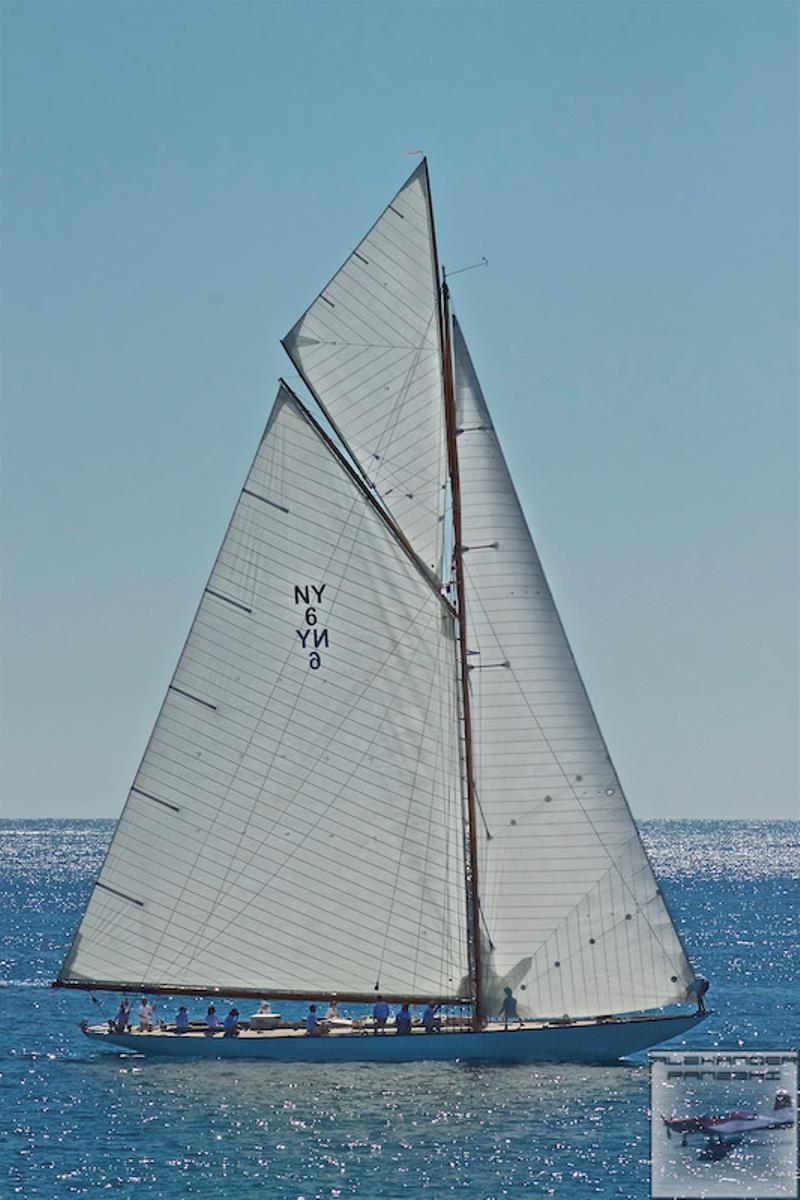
80,1121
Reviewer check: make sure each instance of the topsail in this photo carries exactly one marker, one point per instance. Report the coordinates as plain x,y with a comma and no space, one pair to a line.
369,349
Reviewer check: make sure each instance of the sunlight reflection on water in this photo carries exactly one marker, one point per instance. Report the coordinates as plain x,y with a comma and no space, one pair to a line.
83,1120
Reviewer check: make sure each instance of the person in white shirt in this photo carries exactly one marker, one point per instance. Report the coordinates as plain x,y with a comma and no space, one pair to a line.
145,1016
212,1021
333,1012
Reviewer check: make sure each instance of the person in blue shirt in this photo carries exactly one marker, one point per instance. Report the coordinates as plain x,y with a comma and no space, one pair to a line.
508,1009
697,990
212,1021
230,1026
431,1022
182,1020
122,1019
380,1015
315,1027
402,1020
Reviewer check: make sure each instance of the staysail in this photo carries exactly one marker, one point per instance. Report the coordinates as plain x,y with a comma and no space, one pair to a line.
369,349
295,824
572,917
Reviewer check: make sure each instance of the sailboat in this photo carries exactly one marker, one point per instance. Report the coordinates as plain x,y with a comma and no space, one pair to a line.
376,770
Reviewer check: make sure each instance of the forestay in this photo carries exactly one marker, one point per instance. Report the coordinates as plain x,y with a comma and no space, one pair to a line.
295,824
569,902
369,348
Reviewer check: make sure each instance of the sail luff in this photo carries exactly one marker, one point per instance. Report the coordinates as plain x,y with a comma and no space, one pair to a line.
471,841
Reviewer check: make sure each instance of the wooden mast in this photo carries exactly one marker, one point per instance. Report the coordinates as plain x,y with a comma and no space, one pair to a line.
471,855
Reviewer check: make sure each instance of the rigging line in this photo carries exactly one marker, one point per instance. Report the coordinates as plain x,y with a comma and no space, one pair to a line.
366,375
367,316
114,938
363,486
186,955
485,924
483,263
480,740
361,511
366,311
404,380
370,296
370,746
550,944
486,829
350,507
549,593
590,821
431,683
403,389
454,849
404,743
422,168
475,593
337,942
276,470
439,783
471,847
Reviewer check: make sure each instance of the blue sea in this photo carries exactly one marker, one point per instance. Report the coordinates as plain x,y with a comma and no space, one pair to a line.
79,1121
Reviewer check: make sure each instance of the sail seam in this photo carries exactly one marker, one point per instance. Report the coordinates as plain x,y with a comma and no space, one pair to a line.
335,795
403,840
410,179
361,481
289,717
569,783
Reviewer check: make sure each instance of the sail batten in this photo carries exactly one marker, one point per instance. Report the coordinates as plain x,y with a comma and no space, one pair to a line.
568,898
305,828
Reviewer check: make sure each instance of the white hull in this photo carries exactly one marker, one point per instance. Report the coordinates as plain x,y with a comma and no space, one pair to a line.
584,1042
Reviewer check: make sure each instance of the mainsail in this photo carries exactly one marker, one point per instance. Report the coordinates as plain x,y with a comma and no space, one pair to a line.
369,349
295,824
571,914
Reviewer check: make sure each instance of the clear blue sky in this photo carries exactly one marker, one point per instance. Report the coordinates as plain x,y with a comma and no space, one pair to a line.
180,180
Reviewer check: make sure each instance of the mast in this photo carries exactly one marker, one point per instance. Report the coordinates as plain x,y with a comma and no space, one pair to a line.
471,855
